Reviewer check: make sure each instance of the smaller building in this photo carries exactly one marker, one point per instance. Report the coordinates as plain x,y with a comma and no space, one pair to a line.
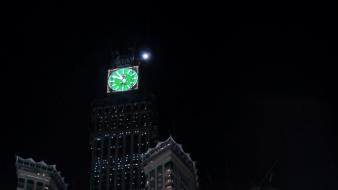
38,175
168,167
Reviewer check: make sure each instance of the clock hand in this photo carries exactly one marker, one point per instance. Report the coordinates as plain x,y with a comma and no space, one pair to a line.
119,76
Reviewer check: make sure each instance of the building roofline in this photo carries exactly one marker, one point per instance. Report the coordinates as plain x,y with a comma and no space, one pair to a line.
171,144
42,163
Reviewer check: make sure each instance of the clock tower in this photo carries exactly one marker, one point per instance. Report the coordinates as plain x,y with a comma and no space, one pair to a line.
124,127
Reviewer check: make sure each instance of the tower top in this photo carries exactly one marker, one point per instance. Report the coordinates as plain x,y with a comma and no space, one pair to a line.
123,57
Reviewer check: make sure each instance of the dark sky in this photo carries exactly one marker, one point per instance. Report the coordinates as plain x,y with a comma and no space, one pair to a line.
238,96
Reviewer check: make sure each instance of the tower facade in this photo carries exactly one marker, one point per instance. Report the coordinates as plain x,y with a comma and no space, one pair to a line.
125,125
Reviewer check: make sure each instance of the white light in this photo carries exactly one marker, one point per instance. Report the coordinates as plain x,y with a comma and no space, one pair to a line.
145,56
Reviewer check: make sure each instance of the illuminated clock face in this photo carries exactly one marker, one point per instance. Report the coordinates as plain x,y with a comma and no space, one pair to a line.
122,79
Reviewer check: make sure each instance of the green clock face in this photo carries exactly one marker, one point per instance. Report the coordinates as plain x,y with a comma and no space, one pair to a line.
123,79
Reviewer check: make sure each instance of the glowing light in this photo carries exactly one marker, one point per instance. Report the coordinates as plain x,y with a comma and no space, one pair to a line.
145,55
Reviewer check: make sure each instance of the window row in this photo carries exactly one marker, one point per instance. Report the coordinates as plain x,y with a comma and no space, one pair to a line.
122,146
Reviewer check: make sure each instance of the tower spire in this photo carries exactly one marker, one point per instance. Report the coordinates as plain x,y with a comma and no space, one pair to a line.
123,57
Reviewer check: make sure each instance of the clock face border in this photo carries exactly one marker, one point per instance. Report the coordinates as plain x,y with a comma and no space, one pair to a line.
135,87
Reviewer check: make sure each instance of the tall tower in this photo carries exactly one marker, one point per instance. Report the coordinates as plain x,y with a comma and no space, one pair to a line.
125,126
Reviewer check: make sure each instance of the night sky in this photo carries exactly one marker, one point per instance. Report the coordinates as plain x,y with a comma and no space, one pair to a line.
238,97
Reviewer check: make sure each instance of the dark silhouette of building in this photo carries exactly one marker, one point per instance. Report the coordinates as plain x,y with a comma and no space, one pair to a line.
266,183
168,167
8,177
263,188
38,176
125,125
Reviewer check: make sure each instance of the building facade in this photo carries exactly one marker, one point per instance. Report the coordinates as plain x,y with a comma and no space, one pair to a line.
168,167
125,125
38,176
